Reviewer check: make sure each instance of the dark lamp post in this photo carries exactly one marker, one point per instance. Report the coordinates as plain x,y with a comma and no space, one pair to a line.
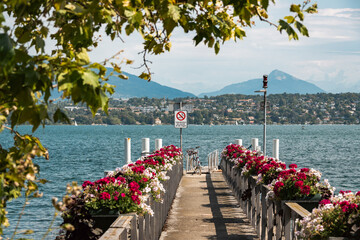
265,85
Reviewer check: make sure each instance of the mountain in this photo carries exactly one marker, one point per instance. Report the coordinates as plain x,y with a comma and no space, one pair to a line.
137,87
278,82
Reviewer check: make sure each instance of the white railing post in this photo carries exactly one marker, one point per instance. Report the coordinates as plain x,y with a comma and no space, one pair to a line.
238,142
209,162
254,143
127,146
158,144
276,148
145,146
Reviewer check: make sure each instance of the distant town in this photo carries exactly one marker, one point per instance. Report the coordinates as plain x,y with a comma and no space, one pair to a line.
230,109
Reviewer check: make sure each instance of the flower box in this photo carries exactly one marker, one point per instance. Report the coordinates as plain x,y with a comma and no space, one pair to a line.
104,221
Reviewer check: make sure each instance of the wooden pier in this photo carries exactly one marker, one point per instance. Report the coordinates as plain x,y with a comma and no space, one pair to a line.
205,208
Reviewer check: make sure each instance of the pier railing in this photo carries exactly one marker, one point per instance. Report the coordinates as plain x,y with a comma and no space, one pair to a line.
213,160
271,219
135,227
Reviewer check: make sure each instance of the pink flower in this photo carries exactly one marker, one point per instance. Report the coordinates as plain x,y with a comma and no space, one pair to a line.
123,195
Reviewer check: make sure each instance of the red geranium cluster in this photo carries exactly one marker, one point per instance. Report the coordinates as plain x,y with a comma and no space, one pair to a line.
270,171
292,184
238,155
124,189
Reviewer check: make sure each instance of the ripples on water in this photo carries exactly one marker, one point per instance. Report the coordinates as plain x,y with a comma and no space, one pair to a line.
84,152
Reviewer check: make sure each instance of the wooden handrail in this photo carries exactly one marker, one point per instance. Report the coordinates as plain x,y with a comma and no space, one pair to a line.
271,219
135,227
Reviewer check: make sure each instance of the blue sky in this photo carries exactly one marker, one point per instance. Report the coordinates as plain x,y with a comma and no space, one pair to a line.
330,58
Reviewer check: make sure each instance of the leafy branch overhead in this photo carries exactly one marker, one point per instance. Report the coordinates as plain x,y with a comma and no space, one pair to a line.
44,46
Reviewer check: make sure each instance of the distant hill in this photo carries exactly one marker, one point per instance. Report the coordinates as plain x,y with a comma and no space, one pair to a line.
279,82
137,87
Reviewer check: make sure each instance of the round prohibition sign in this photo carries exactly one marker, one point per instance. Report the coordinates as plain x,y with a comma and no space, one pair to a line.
181,116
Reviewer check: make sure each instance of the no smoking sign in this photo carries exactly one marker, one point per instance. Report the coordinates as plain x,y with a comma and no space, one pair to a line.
180,119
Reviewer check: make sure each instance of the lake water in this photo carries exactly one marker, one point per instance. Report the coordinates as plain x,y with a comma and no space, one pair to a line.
79,153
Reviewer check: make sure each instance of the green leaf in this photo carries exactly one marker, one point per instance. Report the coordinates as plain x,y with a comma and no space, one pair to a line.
60,116
301,16
289,19
123,76
265,4
43,181
39,44
302,29
6,49
91,78
82,57
295,8
217,47
174,12
145,76
312,9
198,38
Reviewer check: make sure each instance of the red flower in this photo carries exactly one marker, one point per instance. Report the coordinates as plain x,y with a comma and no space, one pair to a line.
358,193
343,192
305,190
277,186
299,184
324,202
123,195
305,170
293,165
87,183
301,176
105,196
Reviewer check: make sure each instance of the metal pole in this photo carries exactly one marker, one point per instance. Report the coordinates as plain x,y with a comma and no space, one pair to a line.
264,150
181,129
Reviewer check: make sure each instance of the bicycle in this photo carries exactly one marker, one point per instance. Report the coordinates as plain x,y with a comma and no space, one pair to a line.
194,160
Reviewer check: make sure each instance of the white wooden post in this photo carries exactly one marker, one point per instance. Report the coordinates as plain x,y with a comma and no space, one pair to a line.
127,147
254,143
158,144
276,148
258,148
145,146
238,142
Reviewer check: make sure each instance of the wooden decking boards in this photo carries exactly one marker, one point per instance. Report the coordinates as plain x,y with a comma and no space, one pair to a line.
205,208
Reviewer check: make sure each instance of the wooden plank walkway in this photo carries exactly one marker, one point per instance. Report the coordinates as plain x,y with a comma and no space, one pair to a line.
205,208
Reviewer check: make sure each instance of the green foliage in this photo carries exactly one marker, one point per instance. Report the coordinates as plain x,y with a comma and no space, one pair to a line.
29,71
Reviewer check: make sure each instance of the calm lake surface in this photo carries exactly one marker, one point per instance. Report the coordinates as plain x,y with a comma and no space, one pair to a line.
79,153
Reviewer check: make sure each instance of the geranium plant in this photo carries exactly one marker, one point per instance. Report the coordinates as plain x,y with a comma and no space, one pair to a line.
292,184
269,171
238,155
338,216
124,190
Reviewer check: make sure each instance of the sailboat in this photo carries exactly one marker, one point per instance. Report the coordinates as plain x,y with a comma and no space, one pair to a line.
236,123
75,123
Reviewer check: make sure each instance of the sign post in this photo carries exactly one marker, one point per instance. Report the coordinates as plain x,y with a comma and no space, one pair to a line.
180,121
